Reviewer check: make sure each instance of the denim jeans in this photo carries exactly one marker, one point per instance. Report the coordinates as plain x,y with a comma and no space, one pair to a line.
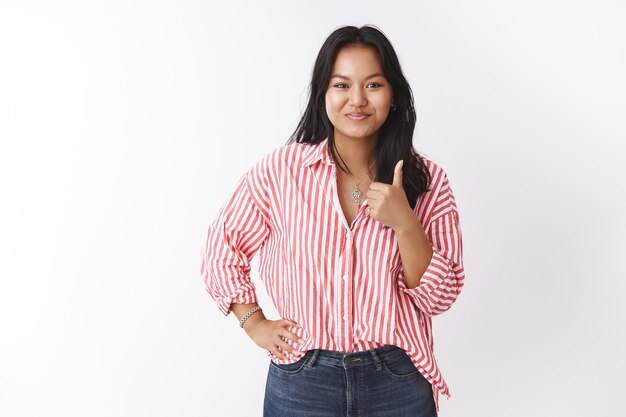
381,382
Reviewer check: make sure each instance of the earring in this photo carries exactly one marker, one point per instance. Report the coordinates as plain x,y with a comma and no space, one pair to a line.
393,107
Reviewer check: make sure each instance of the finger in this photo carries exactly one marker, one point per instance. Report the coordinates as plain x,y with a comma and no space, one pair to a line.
377,185
372,194
277,353
285,346
291,323
292,336
282,344
278,343
397,174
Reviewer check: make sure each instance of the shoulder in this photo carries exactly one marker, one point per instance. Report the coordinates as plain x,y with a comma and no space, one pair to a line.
438,174
280,159
439,199
265,177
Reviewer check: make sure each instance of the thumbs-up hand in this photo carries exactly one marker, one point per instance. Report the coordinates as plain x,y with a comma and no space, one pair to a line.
397,174
388,203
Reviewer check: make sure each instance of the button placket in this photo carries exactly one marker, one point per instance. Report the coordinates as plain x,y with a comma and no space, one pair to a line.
347,290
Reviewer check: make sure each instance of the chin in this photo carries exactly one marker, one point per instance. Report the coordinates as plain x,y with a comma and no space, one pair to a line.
362,137
355,135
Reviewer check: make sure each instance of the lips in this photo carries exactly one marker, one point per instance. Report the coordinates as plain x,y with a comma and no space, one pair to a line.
357,116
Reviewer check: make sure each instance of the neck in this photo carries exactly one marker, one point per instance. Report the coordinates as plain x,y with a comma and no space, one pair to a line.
357,153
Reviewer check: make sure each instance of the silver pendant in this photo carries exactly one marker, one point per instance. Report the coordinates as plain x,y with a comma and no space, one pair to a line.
356,195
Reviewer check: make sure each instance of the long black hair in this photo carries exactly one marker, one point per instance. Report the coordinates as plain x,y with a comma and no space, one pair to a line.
395,137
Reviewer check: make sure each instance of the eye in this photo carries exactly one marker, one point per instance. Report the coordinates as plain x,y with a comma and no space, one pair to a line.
344,85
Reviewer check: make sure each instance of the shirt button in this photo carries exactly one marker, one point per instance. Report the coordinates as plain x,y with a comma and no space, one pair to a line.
345,277
345,317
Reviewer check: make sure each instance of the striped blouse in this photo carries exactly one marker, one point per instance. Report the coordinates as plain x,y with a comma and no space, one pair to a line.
343,283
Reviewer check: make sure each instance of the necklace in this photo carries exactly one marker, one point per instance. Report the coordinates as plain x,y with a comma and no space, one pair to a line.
356,192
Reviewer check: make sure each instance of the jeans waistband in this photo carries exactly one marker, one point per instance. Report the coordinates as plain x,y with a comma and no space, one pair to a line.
351,359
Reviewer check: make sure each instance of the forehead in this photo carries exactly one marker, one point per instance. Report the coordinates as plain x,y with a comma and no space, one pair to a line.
356,60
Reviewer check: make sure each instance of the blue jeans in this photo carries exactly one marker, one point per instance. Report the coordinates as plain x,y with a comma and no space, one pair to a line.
381,382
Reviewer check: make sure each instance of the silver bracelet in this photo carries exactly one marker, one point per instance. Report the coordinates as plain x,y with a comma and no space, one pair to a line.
248,314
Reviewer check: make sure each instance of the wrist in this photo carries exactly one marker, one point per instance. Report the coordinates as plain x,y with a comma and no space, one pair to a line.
410,224
253,320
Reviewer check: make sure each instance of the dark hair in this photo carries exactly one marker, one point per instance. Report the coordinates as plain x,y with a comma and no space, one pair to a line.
395,137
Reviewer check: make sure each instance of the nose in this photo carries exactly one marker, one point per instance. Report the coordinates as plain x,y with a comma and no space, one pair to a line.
357,98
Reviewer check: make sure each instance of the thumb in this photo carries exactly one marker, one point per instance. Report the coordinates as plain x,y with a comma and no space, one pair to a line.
397,174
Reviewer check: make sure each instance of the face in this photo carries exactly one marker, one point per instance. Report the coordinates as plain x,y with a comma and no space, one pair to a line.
358,97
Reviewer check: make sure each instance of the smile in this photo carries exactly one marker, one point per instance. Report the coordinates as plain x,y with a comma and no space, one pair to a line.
357,116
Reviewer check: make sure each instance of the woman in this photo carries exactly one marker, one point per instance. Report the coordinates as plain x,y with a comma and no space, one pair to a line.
359,240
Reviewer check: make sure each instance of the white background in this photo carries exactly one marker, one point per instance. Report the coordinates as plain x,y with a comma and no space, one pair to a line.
124,125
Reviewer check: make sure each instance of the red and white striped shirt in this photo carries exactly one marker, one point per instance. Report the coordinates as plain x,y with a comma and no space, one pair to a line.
343,283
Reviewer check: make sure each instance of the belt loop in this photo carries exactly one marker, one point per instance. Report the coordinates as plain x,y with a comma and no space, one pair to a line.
313,357
379,367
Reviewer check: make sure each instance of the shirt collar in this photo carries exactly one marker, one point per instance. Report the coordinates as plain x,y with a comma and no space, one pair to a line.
317,152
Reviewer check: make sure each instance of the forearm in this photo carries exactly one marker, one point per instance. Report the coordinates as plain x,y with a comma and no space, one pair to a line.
241,309
415,250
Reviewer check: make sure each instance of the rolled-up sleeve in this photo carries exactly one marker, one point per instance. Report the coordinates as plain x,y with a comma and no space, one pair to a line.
441,283
235,235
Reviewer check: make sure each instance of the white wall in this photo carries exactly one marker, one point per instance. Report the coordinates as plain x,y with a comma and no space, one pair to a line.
125,124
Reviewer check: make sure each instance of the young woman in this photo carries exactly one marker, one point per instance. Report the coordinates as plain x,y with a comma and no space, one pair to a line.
360,245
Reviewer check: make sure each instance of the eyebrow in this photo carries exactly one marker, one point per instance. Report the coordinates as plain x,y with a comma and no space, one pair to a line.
376,74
